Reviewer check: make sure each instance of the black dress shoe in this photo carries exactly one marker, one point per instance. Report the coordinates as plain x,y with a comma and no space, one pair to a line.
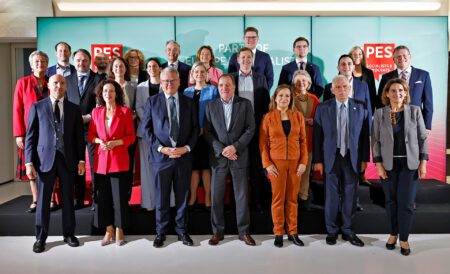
186,239
353,239
392,245
159,240
295,240
278,241
405,251
38,246
72,241
331,239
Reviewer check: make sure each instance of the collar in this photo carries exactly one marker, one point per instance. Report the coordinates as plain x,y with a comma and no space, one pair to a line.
229,103
84,74
408,71
245,75
53,100
175,95
304,60
254,53
58,66
174,63
339,103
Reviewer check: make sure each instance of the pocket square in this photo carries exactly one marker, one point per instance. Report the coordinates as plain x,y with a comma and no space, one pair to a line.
418,82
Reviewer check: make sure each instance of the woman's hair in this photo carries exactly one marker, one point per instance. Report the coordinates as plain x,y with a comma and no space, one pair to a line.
385,100
139,54
37,53
363,60
154,59
194,66
304,73
127,70
212,62
118,89
273,103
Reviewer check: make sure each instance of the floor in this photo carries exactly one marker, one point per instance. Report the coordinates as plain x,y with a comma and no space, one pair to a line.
429,255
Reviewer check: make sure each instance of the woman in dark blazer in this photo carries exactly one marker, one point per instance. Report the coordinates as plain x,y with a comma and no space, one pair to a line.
112,129
400,152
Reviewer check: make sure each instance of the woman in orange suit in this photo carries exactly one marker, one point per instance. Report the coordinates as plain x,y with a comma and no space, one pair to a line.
284,155
112,129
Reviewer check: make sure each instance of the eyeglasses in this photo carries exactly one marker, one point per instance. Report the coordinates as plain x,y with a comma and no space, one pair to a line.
166,82
251,37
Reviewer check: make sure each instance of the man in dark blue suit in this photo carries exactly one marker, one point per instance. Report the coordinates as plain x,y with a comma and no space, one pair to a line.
301,50
262,63
419,82
62,67
171,129
172,53
54,147
340,150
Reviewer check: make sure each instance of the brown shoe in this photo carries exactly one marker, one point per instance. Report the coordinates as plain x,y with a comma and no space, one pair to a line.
215,239
247,239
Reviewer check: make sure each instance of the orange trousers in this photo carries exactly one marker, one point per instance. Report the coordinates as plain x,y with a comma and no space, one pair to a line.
285,188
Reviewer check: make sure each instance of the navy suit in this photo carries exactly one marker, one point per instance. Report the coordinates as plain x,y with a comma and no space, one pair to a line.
40,149
420,91
262,65
340,173
183,70
314,71
156,128
52,70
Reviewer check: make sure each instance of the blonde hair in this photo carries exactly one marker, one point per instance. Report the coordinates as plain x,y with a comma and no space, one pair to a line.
363,60
197,64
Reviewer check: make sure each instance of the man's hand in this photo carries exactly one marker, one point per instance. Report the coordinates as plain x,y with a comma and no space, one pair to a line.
318,167
174,152
86,118
229,151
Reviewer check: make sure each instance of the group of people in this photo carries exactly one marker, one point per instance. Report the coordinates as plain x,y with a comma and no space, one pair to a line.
197,124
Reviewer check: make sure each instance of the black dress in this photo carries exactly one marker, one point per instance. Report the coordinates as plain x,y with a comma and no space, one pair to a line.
153,89
201,150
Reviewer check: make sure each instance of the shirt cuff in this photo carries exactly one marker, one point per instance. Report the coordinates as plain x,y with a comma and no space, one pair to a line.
159,148
28,164
82,162
188,148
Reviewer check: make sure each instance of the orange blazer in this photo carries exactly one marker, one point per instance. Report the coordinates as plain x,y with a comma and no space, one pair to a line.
274,144
122,127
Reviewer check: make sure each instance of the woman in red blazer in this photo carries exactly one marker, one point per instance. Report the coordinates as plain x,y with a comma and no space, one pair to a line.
112,129
29,89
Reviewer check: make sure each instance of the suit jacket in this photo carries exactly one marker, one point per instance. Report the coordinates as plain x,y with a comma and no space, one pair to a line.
325,134
122,127
130,90
52,70
314,71
261,99
415,137
40,142
262,65
156,126
240,133
142,94
183,70
420,91
368,77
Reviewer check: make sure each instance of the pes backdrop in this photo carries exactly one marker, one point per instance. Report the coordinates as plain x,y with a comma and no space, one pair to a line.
329,38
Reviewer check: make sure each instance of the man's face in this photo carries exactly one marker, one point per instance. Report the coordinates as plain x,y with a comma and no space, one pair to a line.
251,39
402,59
170,83
57,86
301,49
62,53
172,52
341,89
101,61
346,66
226,88
81,62
245,60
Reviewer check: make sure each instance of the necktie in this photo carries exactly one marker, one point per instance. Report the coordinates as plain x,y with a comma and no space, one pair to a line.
57,111
301,65
403,76
172,65
173,119
81,84
343,130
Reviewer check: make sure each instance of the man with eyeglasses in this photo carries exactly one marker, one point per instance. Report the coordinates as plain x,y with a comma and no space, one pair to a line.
170,126
262,63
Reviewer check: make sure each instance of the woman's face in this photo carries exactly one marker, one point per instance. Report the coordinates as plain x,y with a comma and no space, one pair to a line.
205,56
109,93
301,83
396,94
153,69
39,64
283,98
133,60
357,56
199,74
118,68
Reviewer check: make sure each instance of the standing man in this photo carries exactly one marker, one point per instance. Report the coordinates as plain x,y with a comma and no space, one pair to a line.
418,80
341,149
229,127
301,50
81,91
172,54
54,148
101,61
170,125
62,67
262,63
252,86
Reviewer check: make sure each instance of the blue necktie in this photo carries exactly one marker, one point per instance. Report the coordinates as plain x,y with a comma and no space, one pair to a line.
81,84
173,119
343,130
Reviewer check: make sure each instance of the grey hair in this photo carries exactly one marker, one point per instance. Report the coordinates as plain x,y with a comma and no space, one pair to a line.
335,79
169,70
174,42
37,53
304,73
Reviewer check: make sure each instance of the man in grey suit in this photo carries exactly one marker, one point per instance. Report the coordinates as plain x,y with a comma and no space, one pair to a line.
229,127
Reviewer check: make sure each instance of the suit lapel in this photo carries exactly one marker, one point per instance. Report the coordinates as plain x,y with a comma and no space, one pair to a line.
115,121
333,117
183,109
386,121
49,112
234,112
412,80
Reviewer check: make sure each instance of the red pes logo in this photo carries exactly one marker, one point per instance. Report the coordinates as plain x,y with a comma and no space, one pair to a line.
380,58
112,50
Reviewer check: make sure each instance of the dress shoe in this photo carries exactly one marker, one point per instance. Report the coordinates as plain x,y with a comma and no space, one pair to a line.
391,246
414,206
159,240
38,246
186,239
405,251
331,239
72,241
32,208
215,239
295,240
278,241
353,239
121,242
247,239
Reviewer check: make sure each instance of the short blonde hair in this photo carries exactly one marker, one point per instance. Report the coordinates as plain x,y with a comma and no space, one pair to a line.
387,87
304,73
197,64
363,60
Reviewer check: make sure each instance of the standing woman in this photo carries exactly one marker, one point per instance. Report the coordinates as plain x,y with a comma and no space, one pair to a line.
400,152
135,60
205,55
202,93
29,89
112,130
306,103
362,73
284,155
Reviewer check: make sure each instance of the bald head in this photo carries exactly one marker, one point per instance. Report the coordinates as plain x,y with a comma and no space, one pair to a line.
57,86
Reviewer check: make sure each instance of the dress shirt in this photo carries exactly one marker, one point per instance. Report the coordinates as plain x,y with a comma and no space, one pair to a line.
254,56
175,65
351,93
64,72
408,74
227,111
246,87
338,120
304,60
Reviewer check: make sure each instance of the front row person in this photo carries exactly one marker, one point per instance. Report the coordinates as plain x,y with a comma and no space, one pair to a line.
54,147
170,127
400,152
284,155
341,149
229,126
112,131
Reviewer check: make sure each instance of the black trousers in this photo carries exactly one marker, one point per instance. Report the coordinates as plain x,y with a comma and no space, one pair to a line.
131,154
400,192
112,200
45,185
